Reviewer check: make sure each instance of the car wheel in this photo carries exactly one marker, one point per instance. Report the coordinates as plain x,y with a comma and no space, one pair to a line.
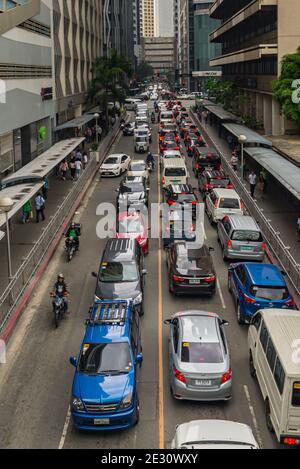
142,310
137,412
239,314
171,285
229,283
251,366
268,417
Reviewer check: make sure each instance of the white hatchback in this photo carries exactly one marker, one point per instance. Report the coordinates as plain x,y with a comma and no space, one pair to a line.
115,165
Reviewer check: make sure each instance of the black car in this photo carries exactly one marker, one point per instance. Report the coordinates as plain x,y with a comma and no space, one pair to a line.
191,270
183,195
122,273
129,129
206,158
177,226
132,193
213,179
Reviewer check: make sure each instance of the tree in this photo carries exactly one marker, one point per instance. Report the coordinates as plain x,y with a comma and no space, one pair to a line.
144,70
225,92
283,88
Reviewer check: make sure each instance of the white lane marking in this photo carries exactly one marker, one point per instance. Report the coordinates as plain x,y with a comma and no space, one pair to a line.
65,430
254,420
221,294
204,232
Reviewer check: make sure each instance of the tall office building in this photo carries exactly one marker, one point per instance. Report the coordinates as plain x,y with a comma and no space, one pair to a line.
255,36
195,47
136,9
164,18
148,15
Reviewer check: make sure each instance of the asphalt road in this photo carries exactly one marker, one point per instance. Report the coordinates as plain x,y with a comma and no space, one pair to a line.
35,385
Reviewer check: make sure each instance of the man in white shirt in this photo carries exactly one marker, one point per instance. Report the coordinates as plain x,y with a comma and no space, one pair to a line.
253,182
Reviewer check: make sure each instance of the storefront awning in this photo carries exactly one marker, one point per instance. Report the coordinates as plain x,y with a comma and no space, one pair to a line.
76,123
20,195
252,137
281,169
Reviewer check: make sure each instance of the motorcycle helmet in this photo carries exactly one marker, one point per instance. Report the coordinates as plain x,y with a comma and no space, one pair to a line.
60,277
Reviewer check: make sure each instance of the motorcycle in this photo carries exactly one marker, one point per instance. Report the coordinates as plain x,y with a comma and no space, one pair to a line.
58,308
153,119
70,248
150,167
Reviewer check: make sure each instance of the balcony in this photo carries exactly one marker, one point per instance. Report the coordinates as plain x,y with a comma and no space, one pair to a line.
223,9
256,9
246,55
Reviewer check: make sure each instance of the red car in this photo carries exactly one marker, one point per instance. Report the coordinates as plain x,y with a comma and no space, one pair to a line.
190,136
169,145
168,135
133,226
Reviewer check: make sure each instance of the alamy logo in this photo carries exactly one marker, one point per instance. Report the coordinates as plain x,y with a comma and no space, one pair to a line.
2,92
296,93
296,353
2,352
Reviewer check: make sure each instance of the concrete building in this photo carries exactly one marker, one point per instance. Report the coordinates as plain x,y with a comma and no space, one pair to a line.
195,47
255,35
148,15
27,106
137,30
164,18
160,53
118,27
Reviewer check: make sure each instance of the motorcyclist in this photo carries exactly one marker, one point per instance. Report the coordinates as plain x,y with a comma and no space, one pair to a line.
153,118
60,289
150,160
73,235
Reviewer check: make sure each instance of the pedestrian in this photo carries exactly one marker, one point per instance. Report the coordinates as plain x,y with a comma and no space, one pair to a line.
253,181
99,131
64,169
78,165
45,188
234,161
263,181
230,142
40,207
298,226
84,160
73,168
78,155
27,212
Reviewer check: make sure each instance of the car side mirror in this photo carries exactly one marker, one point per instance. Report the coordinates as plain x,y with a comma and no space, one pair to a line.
73,361
94,275
168,322
284,273
144,272
211,249
224,323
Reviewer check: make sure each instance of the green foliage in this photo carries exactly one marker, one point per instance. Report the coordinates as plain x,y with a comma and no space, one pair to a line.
225,92
282,88
144,71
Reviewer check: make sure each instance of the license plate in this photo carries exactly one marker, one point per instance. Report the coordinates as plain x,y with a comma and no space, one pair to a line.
246,248
203,382
195,282
101,421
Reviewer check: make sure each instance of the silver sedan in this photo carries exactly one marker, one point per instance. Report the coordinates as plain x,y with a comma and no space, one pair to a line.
200,368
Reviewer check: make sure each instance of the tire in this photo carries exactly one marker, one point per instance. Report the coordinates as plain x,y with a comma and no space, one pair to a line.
171,286
239,315
225,258
268,417
142,310
56,318
251,366
137,412
229,284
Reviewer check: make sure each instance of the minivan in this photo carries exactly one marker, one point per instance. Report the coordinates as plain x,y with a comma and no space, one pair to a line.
122,273
273,340
130,104
174,171
222,202
104,392
240,238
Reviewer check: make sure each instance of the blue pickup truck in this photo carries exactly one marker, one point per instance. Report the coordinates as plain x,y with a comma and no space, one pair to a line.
104,394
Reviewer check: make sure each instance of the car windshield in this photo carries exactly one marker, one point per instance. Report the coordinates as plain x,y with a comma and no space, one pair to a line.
186,198
219,182
247,235
229,203
130,188
201,352
97,359
171,172
131,226
118,272
270,293
112,161
138,167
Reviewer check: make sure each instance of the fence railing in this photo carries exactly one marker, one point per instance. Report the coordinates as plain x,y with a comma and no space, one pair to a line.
10,298
277,247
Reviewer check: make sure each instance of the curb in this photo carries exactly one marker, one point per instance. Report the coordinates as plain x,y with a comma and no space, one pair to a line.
6,334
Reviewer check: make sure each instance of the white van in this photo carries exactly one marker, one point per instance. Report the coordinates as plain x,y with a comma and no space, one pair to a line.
130,103
166,117
174,171
222,202
274,346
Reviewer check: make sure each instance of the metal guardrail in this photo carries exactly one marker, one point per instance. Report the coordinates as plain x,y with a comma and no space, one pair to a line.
30,265
272,237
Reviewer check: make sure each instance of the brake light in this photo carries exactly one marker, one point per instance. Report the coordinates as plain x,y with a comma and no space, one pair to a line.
197,166
195,202
171,202
249,300
178,279
163,180
210,279
230,186
263,246
291,441
216,204
230,244
226,377
290,302
209,186
242,205
178,375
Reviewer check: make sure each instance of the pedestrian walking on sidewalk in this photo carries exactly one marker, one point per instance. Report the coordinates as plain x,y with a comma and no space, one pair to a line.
73,168
263,181
234,161
253,181
78,155
298,226
64,169
84,160
45,188
78,169
27,212
40,207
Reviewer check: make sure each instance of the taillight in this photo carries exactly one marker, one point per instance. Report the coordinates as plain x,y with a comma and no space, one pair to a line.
171,202
263,246
197,166
177,279
178,375
249,300
195,202
226,377
216,204
163,180
291,441
230,186
209,279
208,186
242,205
230,244
290,302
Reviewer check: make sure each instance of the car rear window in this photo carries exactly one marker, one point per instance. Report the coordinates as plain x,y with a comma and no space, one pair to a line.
185,198
267,293
220,182
296,395
175,172
201,352
229,203
247,235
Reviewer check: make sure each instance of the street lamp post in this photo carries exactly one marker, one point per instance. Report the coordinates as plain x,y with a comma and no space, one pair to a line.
242,141
6,204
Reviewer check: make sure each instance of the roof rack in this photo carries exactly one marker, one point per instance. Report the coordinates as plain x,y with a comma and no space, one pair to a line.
109,312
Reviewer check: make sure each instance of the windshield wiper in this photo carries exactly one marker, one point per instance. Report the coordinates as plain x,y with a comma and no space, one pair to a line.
113,372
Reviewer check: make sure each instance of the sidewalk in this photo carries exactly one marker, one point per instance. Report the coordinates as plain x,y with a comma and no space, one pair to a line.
276,206
23,237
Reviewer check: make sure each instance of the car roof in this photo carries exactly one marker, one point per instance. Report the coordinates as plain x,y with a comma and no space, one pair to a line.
174,162
215,431
265,275
181,188
199,328
226,193
240,222
119,249
206,150
115,155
